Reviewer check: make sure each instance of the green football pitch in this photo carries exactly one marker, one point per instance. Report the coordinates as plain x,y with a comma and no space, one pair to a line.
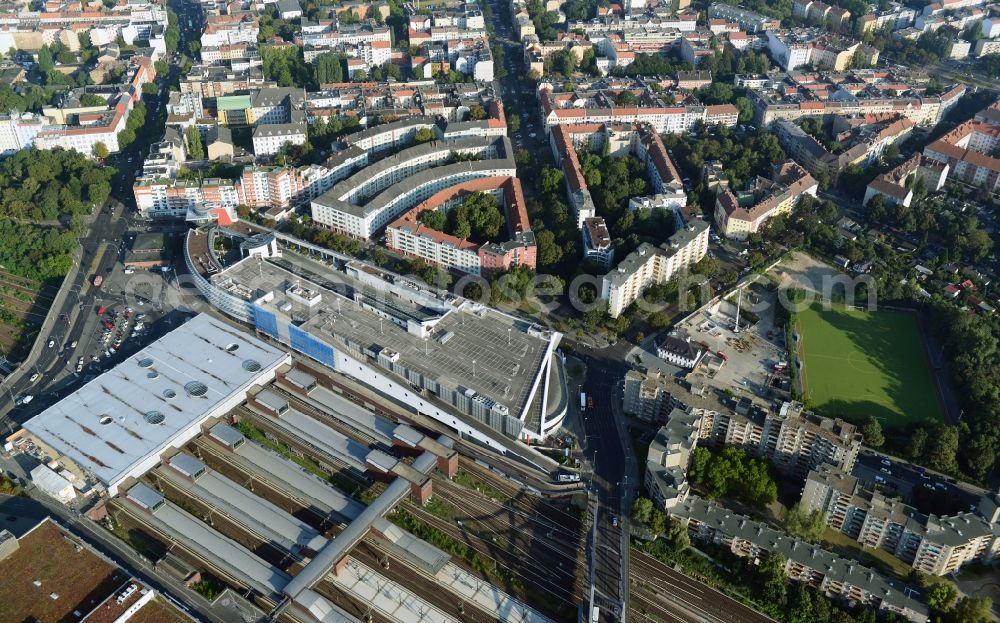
859,363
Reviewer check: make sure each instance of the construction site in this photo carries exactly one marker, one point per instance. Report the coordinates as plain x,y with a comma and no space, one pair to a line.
314,507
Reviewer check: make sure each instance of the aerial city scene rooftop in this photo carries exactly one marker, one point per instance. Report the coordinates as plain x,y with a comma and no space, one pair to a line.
527,311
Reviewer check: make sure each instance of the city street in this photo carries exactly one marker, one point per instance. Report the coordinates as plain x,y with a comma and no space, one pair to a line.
100,252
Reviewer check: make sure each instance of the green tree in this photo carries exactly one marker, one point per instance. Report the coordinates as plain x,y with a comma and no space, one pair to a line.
550,181
657,521
549,251
477,112
971,610
941,596
745,108
917,444
285,65
943,449
481,214
375,15
125,138
872,432
195,149
90,99
807,526
513,124
435,219
424,135
329,68
45,61
626,98
563,62
348,17
642,508
772,579
100,150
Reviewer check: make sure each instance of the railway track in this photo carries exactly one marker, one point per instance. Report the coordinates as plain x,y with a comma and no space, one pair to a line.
462,497
673,589
642,609
542,571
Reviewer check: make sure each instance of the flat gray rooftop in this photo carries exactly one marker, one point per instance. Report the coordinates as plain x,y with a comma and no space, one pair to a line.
352,414
155,398
323,438
255,514
297,481
495,355
219,551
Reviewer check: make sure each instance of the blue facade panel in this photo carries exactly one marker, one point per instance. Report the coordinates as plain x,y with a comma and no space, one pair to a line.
265,321
309,345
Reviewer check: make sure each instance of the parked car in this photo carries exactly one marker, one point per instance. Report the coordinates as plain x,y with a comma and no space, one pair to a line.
34,377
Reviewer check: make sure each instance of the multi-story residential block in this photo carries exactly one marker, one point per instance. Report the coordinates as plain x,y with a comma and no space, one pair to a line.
371,199
649,265
832,574
590,107
577,192
985,47
390,136
698,45
860,141
794,440
82,128
277,105
740,213
28,29
969,152
957,19
184,106
930,544
193,200
821,13
663,176
668,457
748,20
896,186
819,446
794,95
597,247
269,139
161,197
230,29
792,49
406,235
213,81
991,26
236,54
647,395
368,43
896,16
641,140
18,131
166,156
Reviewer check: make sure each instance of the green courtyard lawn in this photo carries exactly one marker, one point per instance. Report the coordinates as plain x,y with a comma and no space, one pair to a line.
859,363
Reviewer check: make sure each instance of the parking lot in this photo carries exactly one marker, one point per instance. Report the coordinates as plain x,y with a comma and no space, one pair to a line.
928,491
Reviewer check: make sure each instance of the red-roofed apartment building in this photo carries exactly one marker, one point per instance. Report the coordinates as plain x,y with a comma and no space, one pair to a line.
965,149
406,235
741,213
